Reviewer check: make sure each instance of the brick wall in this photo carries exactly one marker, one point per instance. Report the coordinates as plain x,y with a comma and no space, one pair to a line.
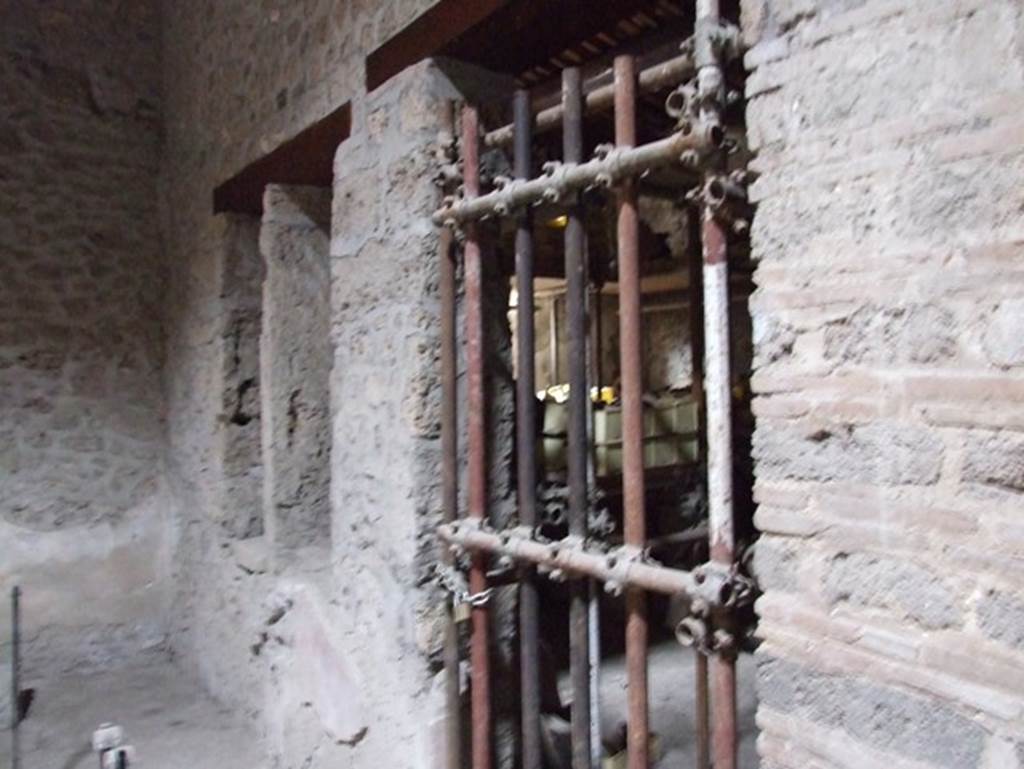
82,506
889,380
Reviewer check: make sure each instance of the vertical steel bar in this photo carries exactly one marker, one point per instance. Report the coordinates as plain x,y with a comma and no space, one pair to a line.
553,341
703,727
631,352
477,445
596,330
717,392
696,293
594,587
450,490
15,676
526,441
576,323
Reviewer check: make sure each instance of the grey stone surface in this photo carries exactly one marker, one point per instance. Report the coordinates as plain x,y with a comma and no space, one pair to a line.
240,424
884,717
995,459
295,362
887,582
1001,617
83,505
1003,342
881,335
80,338
882,453
775,563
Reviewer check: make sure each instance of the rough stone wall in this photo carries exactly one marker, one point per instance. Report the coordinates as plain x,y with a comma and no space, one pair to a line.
83,510
295,360
385,406
889,380
240,453
335,664
239,78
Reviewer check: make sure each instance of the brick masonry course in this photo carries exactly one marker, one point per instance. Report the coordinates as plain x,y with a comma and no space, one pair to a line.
888,236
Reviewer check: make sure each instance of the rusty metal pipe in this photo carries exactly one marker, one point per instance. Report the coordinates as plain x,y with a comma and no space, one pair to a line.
450,492
631,353
477,445
703,725
576,321
449,471
526,446
654,78
619,569
688,145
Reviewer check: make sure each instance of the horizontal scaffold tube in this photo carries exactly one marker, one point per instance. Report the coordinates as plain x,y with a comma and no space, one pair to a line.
668,74
617,570
687,145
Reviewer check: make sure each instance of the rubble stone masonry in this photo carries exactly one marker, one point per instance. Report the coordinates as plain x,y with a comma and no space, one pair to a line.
142,413
83,508
889,380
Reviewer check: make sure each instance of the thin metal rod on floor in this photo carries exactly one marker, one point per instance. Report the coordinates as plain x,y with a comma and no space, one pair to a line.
631,351
576,321
477,448
449,473
718,388
526,442
15,676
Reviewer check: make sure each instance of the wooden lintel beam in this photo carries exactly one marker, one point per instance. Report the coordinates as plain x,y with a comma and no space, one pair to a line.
306,159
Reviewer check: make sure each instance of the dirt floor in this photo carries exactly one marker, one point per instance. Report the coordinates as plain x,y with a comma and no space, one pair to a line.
173,725
165,716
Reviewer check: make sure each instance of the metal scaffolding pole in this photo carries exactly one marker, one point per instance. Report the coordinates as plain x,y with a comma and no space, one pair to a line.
718,386
449,473
526,439
576,321
601,98
619,569
477,445
686,147
631,347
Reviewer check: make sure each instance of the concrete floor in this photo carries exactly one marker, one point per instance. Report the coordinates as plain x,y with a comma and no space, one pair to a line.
168,719
671,687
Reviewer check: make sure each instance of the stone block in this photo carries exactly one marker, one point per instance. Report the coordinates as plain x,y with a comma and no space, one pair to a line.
894,584
1000,616
885,717
995,459
915,333
884,453
776,561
